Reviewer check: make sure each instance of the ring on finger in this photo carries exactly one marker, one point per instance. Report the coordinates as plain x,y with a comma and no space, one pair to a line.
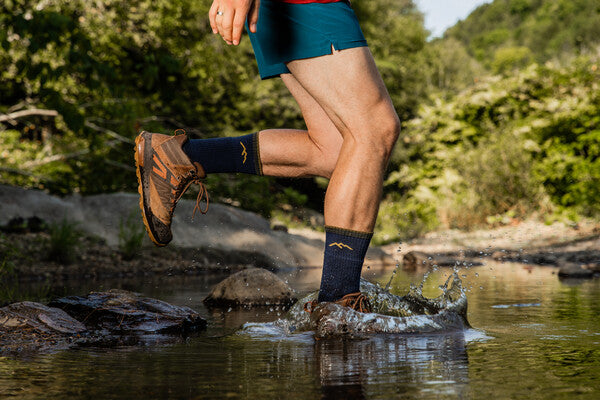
219,13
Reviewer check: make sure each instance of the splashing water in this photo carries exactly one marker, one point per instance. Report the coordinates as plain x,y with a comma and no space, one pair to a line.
411,313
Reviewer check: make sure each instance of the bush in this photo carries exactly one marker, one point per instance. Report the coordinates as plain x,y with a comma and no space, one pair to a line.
131,235
64,242
517,145
507,59
496,177
7,253
402,218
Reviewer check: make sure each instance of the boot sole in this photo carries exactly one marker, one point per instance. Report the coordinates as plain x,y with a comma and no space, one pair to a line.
140,146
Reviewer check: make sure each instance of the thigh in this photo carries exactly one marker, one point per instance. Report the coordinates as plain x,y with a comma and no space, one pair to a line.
321,130
348,88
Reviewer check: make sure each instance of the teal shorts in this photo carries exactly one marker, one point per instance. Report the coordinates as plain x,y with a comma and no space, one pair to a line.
287,32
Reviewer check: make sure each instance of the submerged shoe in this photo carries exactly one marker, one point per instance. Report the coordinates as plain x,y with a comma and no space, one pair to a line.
356,301
164,173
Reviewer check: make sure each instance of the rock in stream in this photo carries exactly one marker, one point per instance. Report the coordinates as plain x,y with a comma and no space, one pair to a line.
251,287
118,311
110,318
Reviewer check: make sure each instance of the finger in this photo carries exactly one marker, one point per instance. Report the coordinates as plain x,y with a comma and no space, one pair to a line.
238,26
219,24
212,14
227,26
253,20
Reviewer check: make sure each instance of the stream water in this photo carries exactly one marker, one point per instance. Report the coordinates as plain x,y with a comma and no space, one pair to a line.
533,337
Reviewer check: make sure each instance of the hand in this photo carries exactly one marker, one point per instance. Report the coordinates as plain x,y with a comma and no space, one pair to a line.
230,24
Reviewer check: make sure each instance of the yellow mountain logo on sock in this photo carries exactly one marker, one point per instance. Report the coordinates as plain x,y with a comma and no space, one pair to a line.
244,153
341,245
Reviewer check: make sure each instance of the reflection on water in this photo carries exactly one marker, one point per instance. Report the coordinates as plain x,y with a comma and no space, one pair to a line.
436,364
536,337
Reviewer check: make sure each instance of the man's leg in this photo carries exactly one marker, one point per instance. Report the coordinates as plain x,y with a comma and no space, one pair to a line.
348,87
166,165
283,152
299,153
352,127
339,94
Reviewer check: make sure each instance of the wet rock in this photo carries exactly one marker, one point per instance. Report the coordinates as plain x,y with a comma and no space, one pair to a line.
28,315
118,311
574,270
105,319
29,327
251,287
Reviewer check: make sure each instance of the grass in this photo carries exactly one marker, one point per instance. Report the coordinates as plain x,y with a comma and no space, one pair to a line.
131,235
63,242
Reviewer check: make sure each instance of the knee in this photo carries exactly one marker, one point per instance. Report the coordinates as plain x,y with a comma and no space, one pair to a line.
392,131
383,136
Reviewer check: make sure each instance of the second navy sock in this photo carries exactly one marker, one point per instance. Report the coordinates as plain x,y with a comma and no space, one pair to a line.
227,154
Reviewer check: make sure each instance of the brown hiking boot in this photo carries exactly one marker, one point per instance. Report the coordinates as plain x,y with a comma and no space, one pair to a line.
164,173
356,301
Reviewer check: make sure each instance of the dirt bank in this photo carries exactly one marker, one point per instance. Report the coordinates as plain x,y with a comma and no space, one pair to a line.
25,256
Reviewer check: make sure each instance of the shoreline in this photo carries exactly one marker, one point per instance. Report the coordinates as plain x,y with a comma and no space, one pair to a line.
24,257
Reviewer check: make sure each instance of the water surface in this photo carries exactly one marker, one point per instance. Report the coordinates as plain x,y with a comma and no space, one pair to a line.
535,337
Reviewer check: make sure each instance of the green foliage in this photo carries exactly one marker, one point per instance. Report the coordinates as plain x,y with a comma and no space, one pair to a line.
403,217
7,254
548,28
449,68
508,59
113,67
519,145
481,150
63,242
131,235
396,36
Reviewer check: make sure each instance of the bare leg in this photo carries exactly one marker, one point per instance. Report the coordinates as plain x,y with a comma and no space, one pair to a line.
348,87
352,127
301,153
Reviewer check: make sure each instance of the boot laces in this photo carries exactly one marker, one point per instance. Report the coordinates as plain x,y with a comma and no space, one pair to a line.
191,178
356,301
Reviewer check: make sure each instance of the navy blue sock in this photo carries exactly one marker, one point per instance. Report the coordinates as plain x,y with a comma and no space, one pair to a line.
227,154
345,252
